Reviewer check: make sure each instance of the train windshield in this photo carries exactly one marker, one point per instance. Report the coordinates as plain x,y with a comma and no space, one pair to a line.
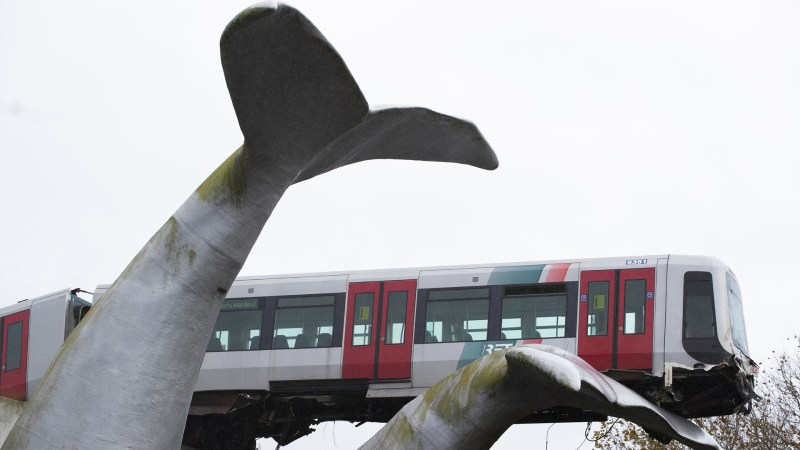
737,315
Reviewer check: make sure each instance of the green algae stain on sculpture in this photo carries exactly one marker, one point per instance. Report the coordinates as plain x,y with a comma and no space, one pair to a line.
463,387
228,181
192,256
404,432
177,251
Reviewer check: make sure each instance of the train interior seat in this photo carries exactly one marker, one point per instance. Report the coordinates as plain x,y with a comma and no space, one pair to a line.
324,340
280,341
214,345
430,337
236,343
301,341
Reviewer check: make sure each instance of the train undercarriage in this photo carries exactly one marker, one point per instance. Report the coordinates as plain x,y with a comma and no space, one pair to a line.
285,414
234,420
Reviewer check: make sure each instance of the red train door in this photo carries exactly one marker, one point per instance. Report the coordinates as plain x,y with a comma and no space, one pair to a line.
14,355
378,330
616,319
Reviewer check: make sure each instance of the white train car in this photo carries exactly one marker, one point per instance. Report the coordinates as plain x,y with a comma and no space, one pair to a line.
33,331
291,351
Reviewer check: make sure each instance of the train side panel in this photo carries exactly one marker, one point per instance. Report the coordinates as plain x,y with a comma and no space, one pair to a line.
667,326
660,319
450,338
697,317
229,367
49,315
288,351
32,333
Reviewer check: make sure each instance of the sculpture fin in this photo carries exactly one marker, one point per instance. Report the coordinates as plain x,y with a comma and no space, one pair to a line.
406,133
299,107
599,393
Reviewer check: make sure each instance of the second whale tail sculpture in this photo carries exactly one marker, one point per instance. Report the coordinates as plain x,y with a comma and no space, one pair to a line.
473,407
124,378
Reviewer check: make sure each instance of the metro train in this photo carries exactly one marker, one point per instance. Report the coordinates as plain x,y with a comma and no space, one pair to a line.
33,331
290,351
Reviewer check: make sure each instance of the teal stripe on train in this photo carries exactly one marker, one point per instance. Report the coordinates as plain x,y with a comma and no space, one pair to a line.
474,350
516,275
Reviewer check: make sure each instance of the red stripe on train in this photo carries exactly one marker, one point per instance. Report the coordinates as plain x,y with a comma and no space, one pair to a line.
557,273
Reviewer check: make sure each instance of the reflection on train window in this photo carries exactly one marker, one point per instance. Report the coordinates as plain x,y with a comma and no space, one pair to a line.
396,318
536,311
14,347
634,306
737,314
302,322
362,318
457,315
597,311
698,305
238,326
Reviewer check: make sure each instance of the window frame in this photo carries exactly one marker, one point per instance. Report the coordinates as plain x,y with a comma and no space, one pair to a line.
643,305
736,313
464,332
368,324
258,311
388,333
706,349
591,306
559,291
18,328
279,308
696,277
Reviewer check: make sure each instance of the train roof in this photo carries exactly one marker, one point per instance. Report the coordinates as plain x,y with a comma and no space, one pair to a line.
28,302
593,263
414,272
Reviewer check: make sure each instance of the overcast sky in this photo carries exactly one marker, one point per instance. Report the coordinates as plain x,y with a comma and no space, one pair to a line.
622,129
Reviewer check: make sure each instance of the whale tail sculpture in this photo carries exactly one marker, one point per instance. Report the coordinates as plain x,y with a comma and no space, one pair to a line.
298,97
473,407
124,378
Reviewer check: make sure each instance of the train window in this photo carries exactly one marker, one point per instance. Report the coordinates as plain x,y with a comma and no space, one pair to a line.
396,318
14,347
535,311
457,315
737,315
597,311
635,296
362,318
698,305
304,321
80,308
238,326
